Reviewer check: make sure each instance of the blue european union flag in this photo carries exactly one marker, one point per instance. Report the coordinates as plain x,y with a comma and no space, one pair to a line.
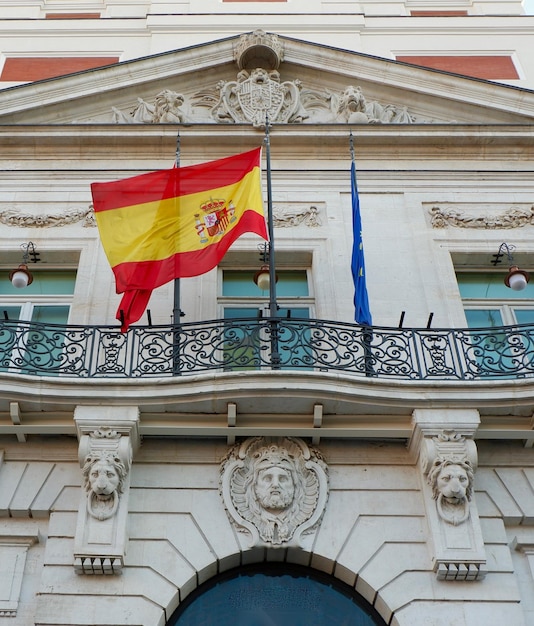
362,313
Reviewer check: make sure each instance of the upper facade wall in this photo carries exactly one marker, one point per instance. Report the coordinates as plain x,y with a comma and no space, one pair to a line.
140,8
488,40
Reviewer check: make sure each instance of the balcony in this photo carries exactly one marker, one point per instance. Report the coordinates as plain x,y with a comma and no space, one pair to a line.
247,344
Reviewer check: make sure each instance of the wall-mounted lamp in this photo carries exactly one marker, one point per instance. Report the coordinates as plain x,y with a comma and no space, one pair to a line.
22,277
516,278
262,277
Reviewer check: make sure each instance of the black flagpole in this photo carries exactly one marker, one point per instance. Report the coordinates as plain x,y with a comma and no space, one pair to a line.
176,311
273,306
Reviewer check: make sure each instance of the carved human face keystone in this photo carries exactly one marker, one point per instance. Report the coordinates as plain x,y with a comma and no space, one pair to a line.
274,488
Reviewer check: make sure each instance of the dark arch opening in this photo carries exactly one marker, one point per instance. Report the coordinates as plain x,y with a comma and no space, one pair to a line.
275,594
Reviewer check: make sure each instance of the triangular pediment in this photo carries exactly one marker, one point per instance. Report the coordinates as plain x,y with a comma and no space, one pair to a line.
243,78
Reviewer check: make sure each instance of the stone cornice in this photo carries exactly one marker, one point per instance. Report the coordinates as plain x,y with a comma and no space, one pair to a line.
273,393
159,141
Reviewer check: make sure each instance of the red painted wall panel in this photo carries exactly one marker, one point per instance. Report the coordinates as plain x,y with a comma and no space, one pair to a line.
37,68
488,67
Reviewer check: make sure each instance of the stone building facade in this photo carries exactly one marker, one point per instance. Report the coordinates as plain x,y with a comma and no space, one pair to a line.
135,474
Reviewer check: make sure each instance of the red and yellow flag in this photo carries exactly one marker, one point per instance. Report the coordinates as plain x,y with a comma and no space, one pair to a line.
175,223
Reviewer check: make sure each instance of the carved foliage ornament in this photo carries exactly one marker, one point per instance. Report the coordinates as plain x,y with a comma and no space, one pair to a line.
274,488
12,217
513,218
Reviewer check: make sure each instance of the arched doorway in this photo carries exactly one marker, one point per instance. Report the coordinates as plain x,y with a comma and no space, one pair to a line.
275,594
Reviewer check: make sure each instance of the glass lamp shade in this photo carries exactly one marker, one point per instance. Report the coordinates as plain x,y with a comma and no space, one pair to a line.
516,279
21,277
262,279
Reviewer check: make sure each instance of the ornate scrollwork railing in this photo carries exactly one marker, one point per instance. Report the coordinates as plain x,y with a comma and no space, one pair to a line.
267,343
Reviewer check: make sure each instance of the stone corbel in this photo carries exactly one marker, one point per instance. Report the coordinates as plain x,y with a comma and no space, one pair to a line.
108,438
442,443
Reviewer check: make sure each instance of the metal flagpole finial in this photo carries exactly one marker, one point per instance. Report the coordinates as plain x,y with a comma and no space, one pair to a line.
351,143
266,127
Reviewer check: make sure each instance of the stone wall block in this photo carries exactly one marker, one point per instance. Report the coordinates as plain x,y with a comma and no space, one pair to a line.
10,477
437,613
498,500
32,489
32,481
202,505
162,557
181,534
389,563
370,536
497,588
347,509
98,610
520,486
61,488
140,582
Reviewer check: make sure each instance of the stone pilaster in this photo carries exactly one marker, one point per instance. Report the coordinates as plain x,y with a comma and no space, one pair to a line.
442,444
108,438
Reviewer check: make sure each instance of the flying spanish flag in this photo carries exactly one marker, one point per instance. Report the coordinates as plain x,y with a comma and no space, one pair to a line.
175,223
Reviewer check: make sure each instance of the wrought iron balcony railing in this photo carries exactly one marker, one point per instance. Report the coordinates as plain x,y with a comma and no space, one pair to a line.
268,343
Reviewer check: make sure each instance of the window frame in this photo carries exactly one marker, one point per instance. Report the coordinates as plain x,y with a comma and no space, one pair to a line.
505,306
28,302
260,302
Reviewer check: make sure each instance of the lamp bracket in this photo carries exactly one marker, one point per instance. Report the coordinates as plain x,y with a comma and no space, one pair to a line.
498,256
30,253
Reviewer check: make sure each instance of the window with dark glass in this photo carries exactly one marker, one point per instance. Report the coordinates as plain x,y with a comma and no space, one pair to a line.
488,302
498,344
27,342
275,595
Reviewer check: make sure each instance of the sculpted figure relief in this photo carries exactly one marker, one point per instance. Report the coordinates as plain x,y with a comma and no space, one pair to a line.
104,474
353,108
513,217
452,488
274,488
252,97
169,108
259,93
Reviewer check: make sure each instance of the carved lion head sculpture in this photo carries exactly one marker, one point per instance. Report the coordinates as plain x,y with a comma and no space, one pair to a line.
104,475
451,479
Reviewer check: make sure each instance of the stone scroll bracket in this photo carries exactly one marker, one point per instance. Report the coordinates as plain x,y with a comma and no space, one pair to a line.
108,438
442,444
